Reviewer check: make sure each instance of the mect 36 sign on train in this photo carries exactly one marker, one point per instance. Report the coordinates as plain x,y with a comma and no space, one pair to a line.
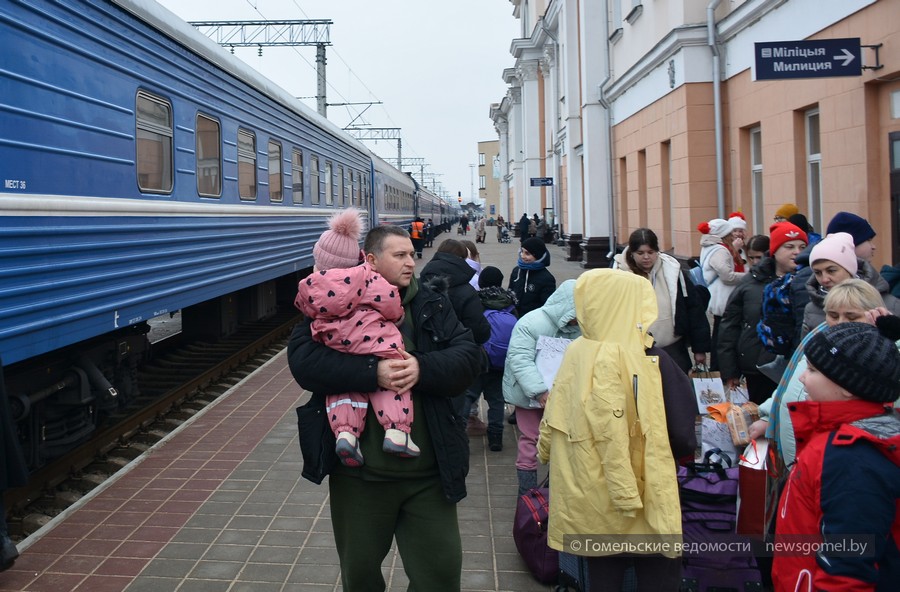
778,60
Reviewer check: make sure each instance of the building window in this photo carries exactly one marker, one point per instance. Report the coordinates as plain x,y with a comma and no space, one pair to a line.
668,210
155,164
481,159
209,157
297,176
756,181
315,191
246,148
813,169
276,193
482,182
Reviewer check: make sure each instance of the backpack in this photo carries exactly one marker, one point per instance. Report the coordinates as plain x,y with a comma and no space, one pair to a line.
502,323
696,273
776,327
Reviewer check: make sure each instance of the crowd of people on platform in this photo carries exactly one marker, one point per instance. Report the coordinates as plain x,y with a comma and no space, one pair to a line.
395,363
802,321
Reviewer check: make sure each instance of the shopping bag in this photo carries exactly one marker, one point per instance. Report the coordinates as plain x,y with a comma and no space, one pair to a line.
752,476
708,388
713,434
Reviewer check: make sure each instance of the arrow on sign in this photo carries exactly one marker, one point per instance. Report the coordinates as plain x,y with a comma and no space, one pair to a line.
847,57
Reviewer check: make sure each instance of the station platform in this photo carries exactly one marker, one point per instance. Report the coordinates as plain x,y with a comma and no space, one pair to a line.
219,505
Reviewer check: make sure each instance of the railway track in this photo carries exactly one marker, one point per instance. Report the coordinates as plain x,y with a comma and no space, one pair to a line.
180,380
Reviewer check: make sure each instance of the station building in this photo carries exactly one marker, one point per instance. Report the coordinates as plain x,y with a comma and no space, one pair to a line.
652,113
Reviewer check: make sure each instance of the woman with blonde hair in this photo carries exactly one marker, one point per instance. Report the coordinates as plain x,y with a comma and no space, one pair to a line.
851,301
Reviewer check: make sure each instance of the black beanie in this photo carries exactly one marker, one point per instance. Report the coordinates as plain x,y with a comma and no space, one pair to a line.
860,358
490,276
536,247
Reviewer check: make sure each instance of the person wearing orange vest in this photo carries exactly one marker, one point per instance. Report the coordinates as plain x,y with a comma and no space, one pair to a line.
417,234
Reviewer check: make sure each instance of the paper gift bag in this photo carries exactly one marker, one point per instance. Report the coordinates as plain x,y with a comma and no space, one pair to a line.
708,389
752,477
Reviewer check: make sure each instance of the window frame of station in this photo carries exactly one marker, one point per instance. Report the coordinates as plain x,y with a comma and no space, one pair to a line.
161,131
757,180
813,163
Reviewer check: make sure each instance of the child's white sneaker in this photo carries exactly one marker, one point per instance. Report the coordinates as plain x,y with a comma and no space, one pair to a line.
399,443
347,449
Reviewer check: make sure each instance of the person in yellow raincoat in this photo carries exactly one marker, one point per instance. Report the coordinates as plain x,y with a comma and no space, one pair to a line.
619,412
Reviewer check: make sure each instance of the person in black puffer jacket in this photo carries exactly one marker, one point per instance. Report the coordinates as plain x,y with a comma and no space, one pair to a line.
412,499
740,350
531,281
448,271
448,267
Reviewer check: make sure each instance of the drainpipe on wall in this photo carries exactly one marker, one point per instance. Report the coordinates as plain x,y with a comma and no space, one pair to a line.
609,165
712,39
607,138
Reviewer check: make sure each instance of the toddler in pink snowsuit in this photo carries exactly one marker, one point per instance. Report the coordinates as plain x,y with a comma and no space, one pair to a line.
355,310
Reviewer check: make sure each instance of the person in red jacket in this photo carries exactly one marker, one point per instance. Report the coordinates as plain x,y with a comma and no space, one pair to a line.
838,523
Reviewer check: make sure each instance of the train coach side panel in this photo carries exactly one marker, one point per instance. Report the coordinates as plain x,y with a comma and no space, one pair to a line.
83,250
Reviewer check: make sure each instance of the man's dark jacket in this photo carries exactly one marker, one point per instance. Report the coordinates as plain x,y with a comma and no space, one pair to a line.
448,360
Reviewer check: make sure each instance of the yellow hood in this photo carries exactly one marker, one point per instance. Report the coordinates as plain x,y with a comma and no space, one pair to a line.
606,303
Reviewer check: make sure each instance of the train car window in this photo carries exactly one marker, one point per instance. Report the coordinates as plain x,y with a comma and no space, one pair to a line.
314,180
329,184
246,147
348,184
155,159
209,157
339,184
276,182
297,176
353,187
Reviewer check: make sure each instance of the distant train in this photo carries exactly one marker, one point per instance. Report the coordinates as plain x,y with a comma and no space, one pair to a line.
145,171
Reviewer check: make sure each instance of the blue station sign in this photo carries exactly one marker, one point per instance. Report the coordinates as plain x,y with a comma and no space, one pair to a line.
822,58
541,181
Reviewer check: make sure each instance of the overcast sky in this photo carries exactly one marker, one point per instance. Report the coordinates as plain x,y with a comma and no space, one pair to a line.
436,66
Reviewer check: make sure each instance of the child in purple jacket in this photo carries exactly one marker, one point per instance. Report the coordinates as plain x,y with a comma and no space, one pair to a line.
355,310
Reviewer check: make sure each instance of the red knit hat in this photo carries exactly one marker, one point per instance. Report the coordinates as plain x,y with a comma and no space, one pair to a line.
782,232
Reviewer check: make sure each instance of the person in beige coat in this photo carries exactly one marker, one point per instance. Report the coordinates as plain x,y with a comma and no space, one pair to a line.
618,414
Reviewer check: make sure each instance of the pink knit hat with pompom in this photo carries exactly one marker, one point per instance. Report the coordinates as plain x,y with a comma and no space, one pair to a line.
338,247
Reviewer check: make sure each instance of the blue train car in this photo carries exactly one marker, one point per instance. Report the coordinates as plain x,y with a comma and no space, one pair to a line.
394,194
146,170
